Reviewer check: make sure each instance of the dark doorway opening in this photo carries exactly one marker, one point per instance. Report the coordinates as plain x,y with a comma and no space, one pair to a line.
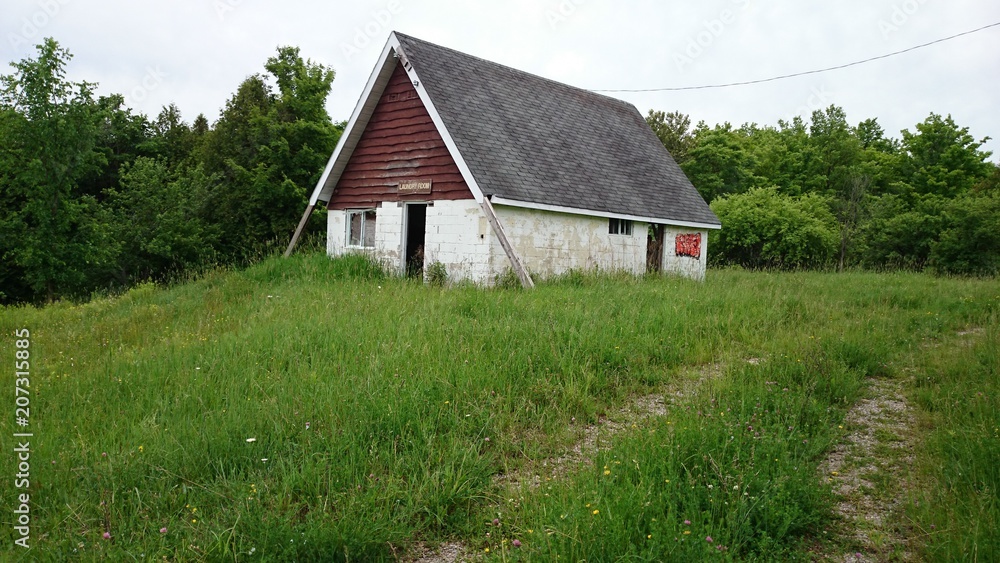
416,227
654,249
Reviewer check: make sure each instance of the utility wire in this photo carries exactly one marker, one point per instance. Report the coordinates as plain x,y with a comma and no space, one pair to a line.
817,71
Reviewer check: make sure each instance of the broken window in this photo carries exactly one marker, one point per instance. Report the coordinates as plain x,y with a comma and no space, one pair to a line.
620,227
361,225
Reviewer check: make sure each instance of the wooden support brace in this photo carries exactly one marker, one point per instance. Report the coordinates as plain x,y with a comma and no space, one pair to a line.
515,260
298,230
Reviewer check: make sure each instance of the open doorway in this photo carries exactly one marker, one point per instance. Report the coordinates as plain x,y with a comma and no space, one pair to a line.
416,227
654,249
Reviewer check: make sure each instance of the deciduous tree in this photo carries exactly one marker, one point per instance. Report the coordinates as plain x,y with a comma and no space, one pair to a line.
718,163
58,236
942,158
269,150
674,131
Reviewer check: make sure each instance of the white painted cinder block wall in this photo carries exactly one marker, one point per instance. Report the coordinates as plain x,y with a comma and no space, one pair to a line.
336,232
388,235
686,266
553,243
459,236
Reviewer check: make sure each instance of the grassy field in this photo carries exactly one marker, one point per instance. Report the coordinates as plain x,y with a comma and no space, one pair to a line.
311,410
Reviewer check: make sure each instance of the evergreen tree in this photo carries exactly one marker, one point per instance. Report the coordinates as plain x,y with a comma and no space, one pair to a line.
674,131
269,150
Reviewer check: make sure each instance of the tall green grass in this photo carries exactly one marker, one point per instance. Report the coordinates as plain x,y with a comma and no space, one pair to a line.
956,511
316,409
731,475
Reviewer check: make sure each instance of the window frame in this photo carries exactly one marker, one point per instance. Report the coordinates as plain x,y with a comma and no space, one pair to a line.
364,235
621,227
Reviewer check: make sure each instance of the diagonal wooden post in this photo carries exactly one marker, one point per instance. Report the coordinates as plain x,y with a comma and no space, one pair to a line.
515,260
298,230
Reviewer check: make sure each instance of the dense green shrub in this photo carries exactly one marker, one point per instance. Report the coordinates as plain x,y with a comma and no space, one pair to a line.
764,228
898,235
969,242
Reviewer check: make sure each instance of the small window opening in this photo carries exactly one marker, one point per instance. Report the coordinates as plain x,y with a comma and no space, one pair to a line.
362,228
620,227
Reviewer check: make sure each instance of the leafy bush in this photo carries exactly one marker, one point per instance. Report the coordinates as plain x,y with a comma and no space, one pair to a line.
159,220
958,236
969,241
897,235
764,228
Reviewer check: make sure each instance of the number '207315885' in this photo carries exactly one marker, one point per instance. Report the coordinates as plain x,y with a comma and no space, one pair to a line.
22,364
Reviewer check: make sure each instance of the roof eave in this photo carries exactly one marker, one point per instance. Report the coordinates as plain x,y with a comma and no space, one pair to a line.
604,214
356,125
363,112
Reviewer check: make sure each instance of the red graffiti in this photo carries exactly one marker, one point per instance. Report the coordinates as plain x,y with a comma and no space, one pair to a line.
689,245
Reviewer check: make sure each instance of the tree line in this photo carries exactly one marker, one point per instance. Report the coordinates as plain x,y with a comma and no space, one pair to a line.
97,197
824,193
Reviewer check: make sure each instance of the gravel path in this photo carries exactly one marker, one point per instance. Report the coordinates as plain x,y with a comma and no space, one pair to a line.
868,472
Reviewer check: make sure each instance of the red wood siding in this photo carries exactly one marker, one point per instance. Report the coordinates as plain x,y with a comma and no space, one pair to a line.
400,143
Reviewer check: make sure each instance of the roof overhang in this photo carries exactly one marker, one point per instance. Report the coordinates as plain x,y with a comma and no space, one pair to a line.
591,213
391,53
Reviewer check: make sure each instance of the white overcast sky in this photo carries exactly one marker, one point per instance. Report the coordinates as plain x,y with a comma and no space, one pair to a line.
196,52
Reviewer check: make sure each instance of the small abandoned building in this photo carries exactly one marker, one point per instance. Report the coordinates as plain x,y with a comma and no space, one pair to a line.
453,159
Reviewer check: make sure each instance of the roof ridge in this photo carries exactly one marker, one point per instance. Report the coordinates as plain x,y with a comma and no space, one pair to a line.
528,138
402,35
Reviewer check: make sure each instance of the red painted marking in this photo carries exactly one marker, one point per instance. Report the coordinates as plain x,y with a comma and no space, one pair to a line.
689,245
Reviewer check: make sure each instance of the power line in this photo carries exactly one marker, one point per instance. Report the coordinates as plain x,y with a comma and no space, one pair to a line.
817,71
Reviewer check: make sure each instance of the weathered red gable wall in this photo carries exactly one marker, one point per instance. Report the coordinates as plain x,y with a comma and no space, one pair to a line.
400,143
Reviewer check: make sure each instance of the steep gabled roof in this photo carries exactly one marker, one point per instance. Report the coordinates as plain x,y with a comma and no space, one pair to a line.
521,139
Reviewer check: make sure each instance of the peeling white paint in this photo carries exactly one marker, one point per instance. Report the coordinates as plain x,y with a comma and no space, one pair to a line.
336,232
455,238
389,234
550,243
553,243
686,266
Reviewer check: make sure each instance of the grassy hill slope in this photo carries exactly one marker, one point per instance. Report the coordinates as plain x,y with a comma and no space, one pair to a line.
313,409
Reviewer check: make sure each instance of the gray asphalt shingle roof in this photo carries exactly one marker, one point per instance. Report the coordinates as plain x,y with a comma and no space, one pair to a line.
535,140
